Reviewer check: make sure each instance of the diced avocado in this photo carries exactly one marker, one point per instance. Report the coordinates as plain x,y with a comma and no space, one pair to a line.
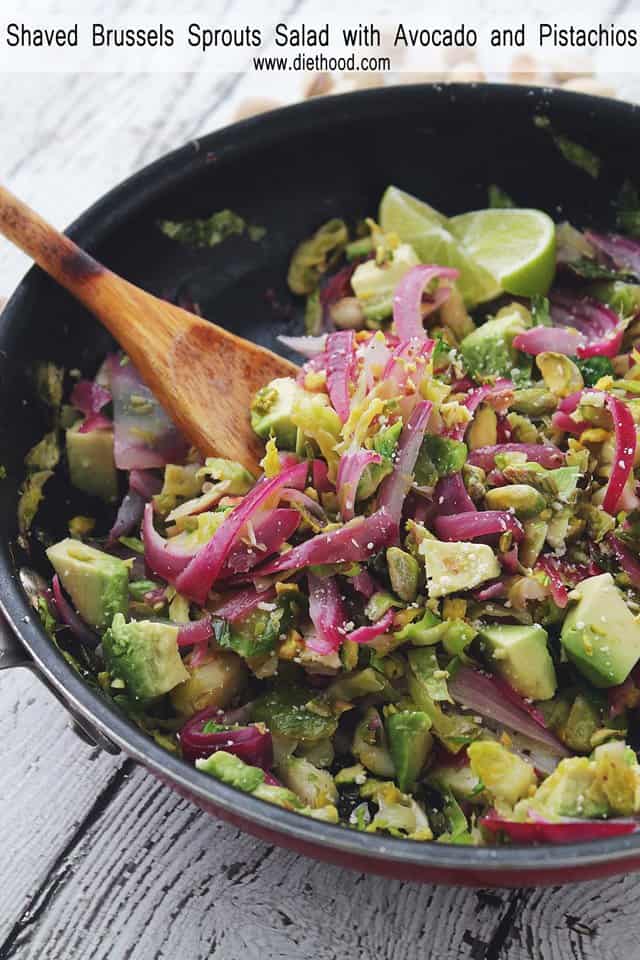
438,457
404,573
313,786
535,534
213,683
410,743
374,284
600,634
488,351
506,776
271,412
145,655
97,583
582,722
572,790
232,770
519,653
618,773
457,566
91,465
461,781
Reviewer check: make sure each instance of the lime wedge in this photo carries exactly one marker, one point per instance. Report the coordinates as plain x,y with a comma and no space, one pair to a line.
517,247
426,230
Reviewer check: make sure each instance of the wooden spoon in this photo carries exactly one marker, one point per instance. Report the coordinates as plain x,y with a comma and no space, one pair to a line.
204,376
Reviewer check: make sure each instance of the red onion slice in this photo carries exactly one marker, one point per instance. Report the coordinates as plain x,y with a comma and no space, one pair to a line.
340,369
482,523
407,301
350,470
395,487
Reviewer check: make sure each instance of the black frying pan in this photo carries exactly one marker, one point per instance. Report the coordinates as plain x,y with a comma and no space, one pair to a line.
289,171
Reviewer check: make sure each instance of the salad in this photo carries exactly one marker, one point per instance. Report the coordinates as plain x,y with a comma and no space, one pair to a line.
422,617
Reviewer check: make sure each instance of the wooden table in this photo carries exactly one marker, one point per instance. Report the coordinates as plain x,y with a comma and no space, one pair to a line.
98,859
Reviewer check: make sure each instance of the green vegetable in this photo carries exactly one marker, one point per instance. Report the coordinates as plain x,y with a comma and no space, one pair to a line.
425,665
145,655
593,368
31,496
45,455
139,588
575,153
284,709
410,743
438,457
540,312
313,315
258,633
498,199
316,255
210,231
370,745
628,204
232,770
49,385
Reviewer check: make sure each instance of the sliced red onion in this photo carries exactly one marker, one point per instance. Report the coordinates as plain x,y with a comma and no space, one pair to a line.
482,523
128,516
546,454
270,532
240,604
626,559
76,624
620,252
340,369
306,346
327,613
90,397
492,591
364,584
335,288
479,692
320,477
408,308
450,497
625,448
195,632
95,421
374,356
562,573
565,422
509,560
369,633
564,831
137,415
196,580
350,470
248,743
146,483
162,556
549,339
499,394
395,487
597,325
407,363
359,540
307,503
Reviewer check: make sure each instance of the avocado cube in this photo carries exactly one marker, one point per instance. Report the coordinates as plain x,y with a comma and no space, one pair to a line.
488,351
97,583
572,790
410,743
145,655
600,634
91,464
519,653
232,770
582,722
271,412
506,776
374,284
457,566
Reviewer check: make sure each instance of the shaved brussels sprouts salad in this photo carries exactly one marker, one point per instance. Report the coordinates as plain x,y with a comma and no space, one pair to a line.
422,617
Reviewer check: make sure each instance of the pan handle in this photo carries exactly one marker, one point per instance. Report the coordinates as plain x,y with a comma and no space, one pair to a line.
13,654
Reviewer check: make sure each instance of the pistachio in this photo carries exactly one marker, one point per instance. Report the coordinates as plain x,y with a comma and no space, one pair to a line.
559,373
404,573
534,401
525,501
522,429
535,533
483,432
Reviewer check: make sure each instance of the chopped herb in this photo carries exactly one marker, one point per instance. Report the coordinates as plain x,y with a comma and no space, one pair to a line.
540,311
594,368
498,199
133,543
628,204
575,153
210,231
590,270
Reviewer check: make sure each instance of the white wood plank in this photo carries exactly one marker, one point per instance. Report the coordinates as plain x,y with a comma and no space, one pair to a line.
49,782
156,878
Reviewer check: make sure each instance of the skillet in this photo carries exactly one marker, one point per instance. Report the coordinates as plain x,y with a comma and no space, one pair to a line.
289,171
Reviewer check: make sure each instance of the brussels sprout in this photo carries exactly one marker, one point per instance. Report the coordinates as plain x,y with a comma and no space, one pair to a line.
316,255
